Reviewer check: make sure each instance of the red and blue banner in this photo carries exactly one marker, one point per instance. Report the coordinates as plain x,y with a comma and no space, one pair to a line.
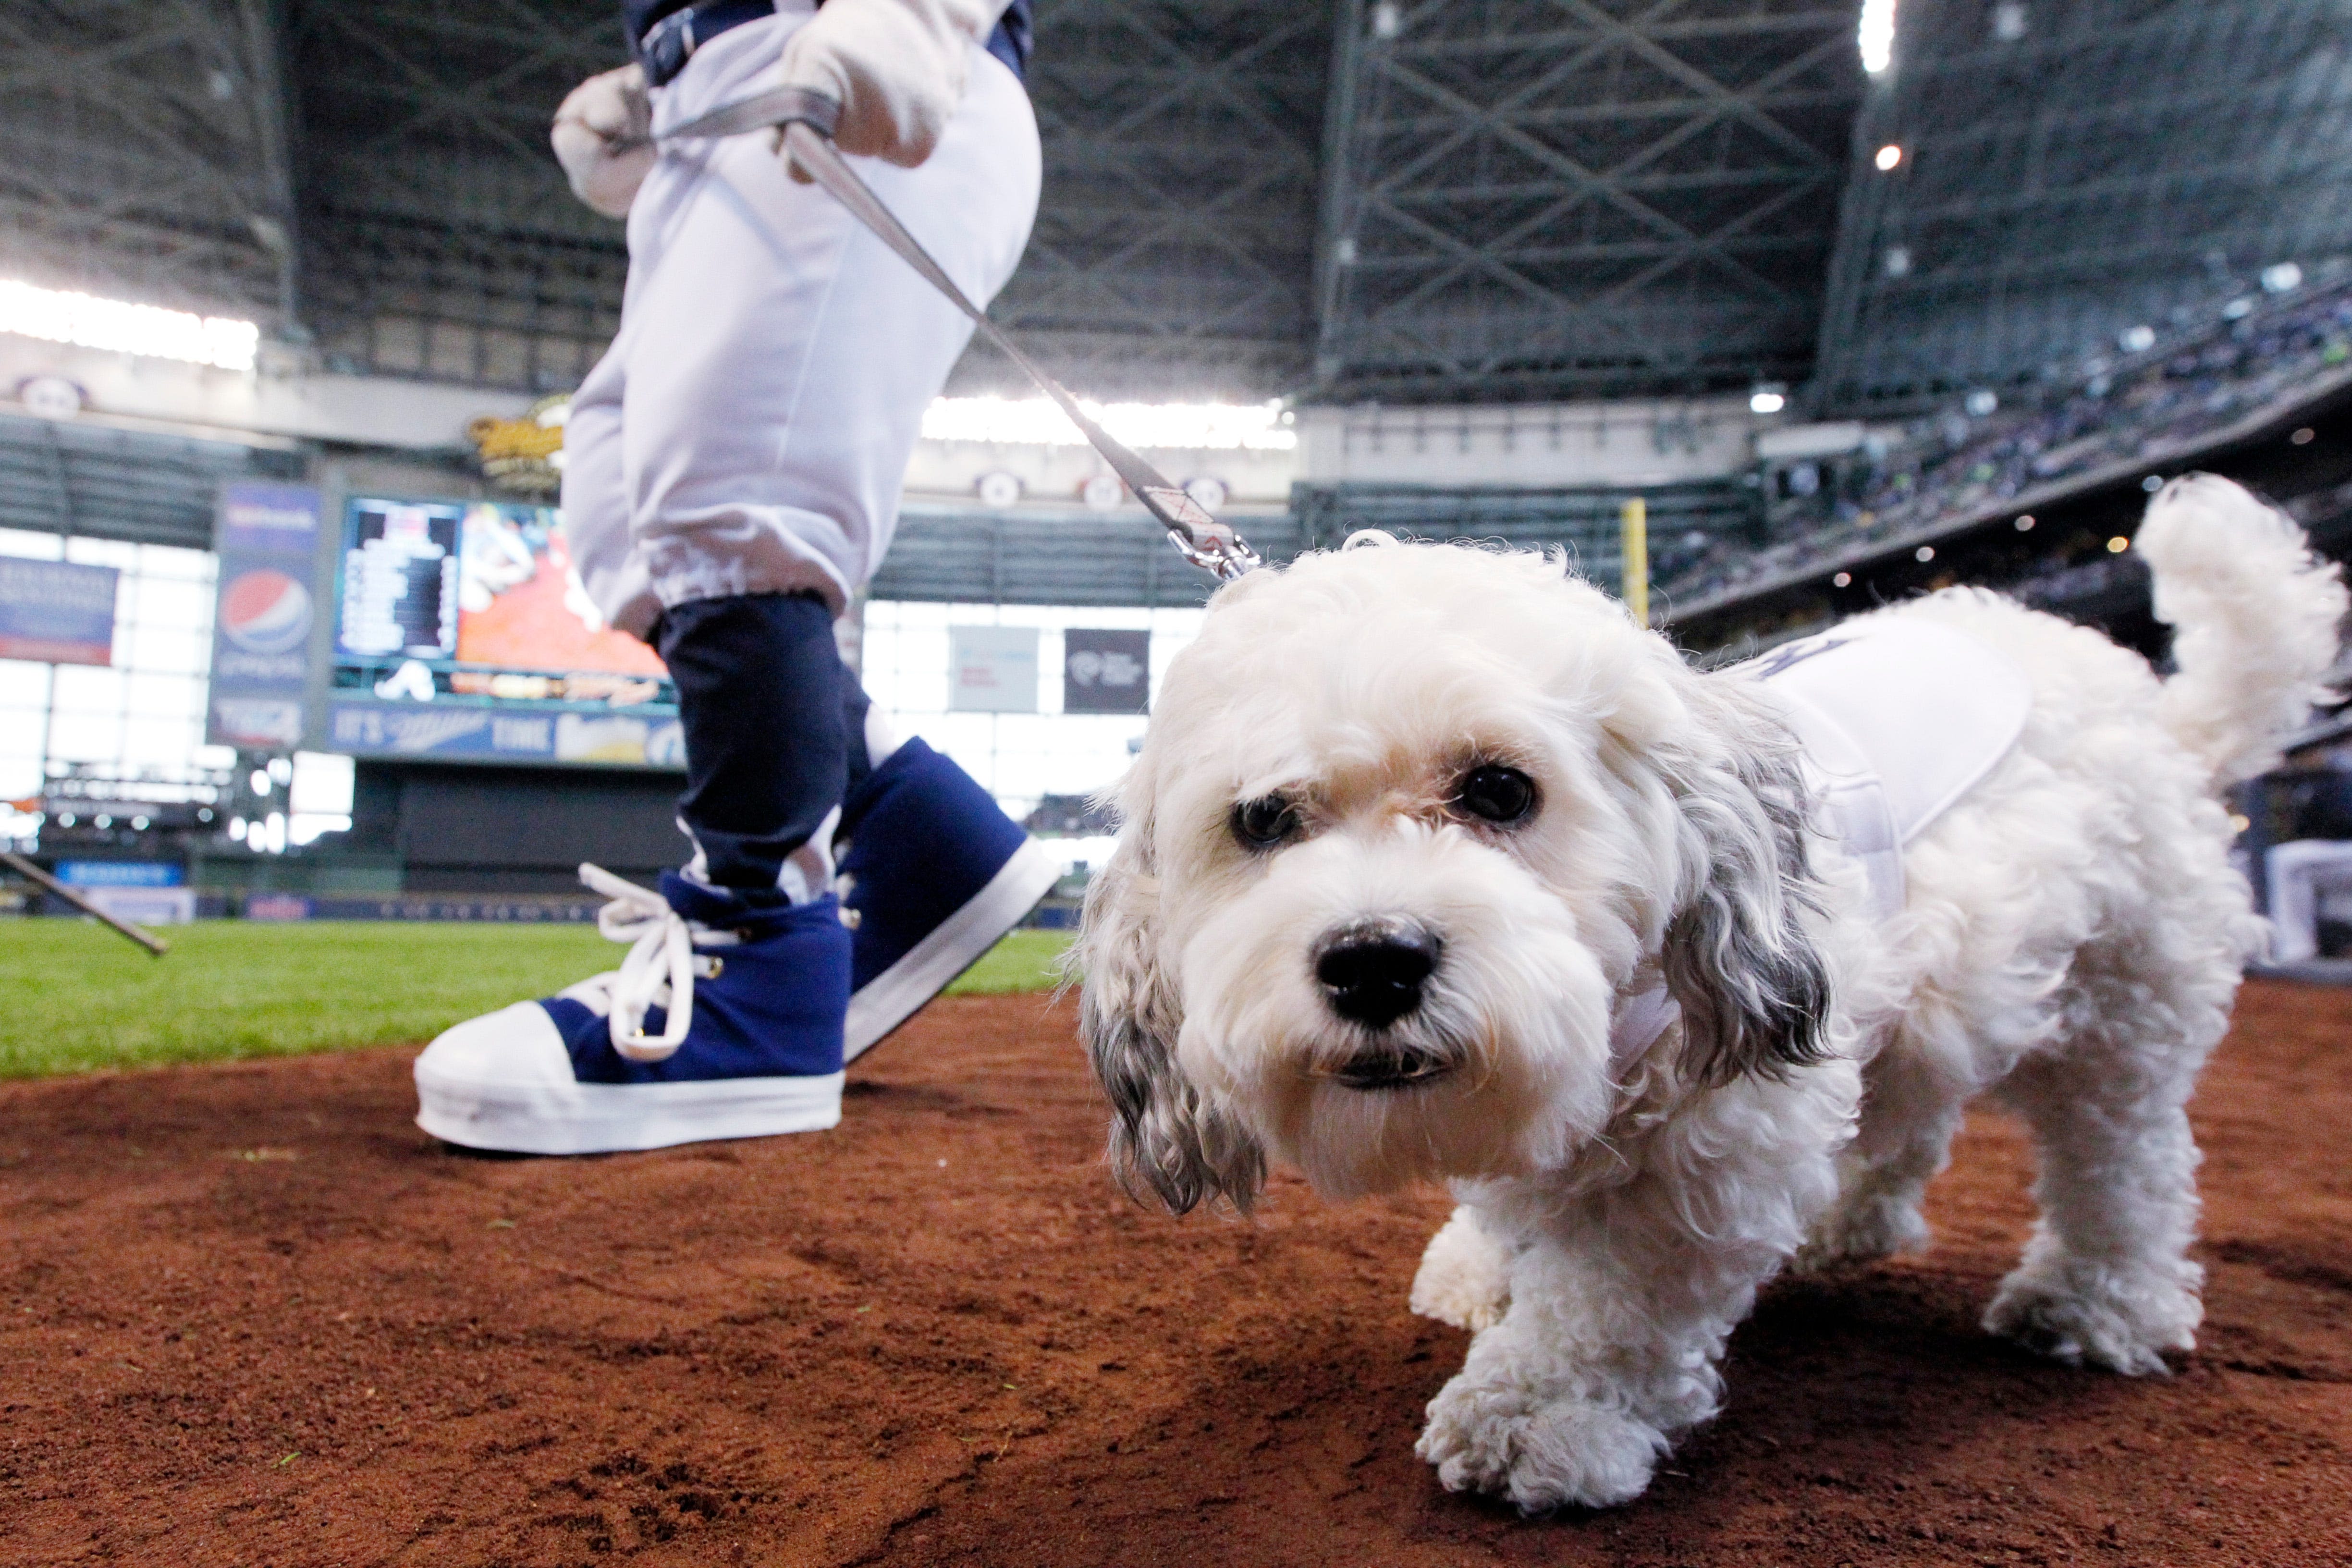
55,612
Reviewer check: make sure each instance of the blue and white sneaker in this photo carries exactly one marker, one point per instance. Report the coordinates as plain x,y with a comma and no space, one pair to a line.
724,1021
931,874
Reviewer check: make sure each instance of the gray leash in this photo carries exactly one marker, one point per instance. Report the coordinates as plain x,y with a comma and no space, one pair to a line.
807,121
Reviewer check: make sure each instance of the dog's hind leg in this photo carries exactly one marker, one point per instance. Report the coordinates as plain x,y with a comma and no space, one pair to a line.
2107,1279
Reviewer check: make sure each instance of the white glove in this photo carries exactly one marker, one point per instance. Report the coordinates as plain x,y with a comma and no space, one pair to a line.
590,133
896,67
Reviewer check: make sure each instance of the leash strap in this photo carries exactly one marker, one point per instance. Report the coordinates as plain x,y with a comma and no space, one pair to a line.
807,121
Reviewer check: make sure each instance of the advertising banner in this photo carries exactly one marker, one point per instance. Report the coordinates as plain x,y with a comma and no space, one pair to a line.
147,906
1106,672
54,612
120,873
482,733
267,539
993,669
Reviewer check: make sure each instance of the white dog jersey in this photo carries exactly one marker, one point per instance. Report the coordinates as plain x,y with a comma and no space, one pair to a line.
1898,719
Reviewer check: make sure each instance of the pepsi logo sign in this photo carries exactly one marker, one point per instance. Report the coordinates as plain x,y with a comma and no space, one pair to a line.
264,611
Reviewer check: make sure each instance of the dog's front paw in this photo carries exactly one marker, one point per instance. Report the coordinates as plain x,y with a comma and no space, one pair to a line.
1541,1453
2102,1321
1464,1279
1861,1230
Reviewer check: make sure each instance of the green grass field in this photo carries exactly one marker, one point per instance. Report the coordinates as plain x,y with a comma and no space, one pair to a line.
80,997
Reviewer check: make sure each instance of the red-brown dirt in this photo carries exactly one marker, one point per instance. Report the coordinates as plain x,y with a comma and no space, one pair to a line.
254,1316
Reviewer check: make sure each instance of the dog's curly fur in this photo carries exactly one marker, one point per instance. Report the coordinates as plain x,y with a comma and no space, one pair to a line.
2071,944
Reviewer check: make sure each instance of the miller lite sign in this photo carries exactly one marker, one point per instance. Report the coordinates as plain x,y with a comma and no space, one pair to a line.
268,538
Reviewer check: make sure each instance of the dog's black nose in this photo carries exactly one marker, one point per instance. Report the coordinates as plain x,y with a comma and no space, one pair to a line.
1374,977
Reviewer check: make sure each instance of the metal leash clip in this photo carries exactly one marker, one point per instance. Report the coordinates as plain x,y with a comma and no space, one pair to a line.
1199,538
806,121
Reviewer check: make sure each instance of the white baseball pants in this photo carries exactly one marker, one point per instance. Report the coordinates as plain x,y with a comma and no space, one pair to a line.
748,430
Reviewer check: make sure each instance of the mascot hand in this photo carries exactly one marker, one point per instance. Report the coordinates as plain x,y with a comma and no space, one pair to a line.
599,137
896,67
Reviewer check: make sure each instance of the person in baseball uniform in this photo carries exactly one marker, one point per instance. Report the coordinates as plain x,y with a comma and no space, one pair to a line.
732,481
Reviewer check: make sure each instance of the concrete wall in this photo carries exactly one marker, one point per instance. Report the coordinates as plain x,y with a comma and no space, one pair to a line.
1537,445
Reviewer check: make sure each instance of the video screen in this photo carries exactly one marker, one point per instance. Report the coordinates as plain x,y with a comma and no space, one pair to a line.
464,631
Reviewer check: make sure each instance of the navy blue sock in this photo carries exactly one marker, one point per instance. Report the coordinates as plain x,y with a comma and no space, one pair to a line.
854,704
760,696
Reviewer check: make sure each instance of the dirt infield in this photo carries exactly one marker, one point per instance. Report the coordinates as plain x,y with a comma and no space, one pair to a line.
254,1316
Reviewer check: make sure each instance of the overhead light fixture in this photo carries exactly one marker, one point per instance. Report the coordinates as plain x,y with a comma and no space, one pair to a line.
1766,400
1889,156
1876,35
87,321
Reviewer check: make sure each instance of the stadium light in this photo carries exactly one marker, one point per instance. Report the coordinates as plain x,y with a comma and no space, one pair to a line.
1877,35
88,322
1038,422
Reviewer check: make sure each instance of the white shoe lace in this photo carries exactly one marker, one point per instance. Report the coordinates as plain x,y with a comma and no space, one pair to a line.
843,885
659,972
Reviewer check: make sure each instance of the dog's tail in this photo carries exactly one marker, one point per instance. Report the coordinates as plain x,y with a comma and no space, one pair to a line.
2254,617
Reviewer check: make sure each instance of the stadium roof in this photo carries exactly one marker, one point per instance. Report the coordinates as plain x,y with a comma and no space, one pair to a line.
1409,200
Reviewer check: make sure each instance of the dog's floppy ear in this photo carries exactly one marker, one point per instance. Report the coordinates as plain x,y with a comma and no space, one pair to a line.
1741,956
1166,1139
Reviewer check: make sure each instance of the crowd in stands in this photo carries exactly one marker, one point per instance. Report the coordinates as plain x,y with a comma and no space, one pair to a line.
1951,469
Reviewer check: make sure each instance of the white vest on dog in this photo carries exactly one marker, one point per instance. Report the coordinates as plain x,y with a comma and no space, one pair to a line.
1898,720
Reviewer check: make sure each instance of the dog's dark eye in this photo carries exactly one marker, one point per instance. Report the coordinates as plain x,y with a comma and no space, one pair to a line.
1496,793
1263,824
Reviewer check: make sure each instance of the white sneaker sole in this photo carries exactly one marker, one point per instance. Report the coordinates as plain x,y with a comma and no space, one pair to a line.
893,997
608,1117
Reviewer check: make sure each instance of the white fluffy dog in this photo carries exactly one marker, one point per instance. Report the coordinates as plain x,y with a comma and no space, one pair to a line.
1435,866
